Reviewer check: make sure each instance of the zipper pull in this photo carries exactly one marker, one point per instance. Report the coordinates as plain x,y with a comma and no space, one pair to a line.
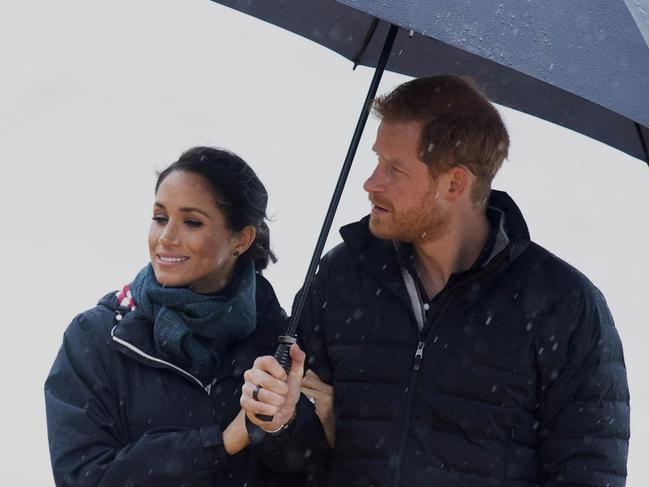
419,354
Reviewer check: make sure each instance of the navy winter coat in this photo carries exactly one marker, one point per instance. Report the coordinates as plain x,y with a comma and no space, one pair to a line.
517,378
119,416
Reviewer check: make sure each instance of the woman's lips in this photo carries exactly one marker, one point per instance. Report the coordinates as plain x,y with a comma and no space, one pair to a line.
169,259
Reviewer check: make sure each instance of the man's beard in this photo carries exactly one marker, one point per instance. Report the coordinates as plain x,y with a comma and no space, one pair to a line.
423,223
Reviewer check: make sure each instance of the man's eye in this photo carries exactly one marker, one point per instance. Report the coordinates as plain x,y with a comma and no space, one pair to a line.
160,219
193,223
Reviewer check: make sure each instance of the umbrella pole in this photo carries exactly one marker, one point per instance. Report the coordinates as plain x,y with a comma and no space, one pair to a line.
342,179
285,341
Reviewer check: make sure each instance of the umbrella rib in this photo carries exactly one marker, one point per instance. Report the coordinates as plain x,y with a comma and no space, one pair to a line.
366,42
643,142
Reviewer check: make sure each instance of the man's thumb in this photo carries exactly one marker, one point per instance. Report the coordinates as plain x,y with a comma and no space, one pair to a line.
297,364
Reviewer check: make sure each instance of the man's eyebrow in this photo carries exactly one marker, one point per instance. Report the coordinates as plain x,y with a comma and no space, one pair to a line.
185,209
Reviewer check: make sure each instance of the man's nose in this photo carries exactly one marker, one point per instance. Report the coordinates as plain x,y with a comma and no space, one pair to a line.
375,183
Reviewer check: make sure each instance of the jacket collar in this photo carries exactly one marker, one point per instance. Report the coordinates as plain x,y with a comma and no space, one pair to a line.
379,256
132,335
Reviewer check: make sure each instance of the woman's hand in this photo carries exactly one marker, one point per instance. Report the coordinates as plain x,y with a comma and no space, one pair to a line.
235,436
322,395
268,390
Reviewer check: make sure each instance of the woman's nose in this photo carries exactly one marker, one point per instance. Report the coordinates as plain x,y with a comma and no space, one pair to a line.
169,235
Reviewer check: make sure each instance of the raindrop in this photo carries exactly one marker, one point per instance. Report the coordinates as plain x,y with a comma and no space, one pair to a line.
488,321
378,291
430,148
411,33
555,346
494,388
528,327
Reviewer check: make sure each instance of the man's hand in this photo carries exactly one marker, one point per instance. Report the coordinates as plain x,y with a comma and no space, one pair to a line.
322,395
278,394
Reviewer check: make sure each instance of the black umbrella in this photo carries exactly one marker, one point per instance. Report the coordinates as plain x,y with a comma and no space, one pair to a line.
582,64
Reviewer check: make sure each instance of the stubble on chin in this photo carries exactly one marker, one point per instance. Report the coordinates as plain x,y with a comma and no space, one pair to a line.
416,226
378,230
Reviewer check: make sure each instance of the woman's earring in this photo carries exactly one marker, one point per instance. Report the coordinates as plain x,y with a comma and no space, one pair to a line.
235,253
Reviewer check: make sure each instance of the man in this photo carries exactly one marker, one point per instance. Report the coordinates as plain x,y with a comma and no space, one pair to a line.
460,352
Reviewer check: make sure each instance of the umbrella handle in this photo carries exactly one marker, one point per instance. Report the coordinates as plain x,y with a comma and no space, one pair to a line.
283,356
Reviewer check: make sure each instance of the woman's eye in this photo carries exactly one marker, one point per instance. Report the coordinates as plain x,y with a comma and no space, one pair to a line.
159,219
193,223
397,170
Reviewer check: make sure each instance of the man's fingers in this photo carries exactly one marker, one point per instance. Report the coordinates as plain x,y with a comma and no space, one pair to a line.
270,365
256,377
257,407
263,395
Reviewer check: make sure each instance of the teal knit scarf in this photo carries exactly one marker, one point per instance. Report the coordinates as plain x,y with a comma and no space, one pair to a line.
193,330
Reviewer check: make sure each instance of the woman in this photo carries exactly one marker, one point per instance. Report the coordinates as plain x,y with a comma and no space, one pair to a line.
145,388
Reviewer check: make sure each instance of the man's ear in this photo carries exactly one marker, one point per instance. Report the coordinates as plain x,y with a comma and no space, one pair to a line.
458,182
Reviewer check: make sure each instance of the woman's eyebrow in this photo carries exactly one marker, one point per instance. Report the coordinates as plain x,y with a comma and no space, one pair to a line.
185,209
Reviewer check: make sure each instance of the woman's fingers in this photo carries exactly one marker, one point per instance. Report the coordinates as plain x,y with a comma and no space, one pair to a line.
316,394
312,381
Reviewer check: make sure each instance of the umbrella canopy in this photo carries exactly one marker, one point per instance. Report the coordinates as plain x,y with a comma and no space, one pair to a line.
582,64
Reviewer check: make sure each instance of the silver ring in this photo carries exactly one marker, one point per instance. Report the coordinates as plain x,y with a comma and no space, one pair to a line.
255,392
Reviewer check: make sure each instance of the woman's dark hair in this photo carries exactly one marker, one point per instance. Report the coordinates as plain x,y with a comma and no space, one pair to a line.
238,193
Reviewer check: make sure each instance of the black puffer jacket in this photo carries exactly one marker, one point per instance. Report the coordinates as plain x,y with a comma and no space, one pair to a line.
117,416
516,380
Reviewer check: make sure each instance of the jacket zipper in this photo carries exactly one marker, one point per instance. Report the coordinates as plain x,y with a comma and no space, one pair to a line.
142,354
419,355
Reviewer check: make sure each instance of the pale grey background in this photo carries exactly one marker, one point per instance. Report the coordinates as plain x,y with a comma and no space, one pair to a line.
95,95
